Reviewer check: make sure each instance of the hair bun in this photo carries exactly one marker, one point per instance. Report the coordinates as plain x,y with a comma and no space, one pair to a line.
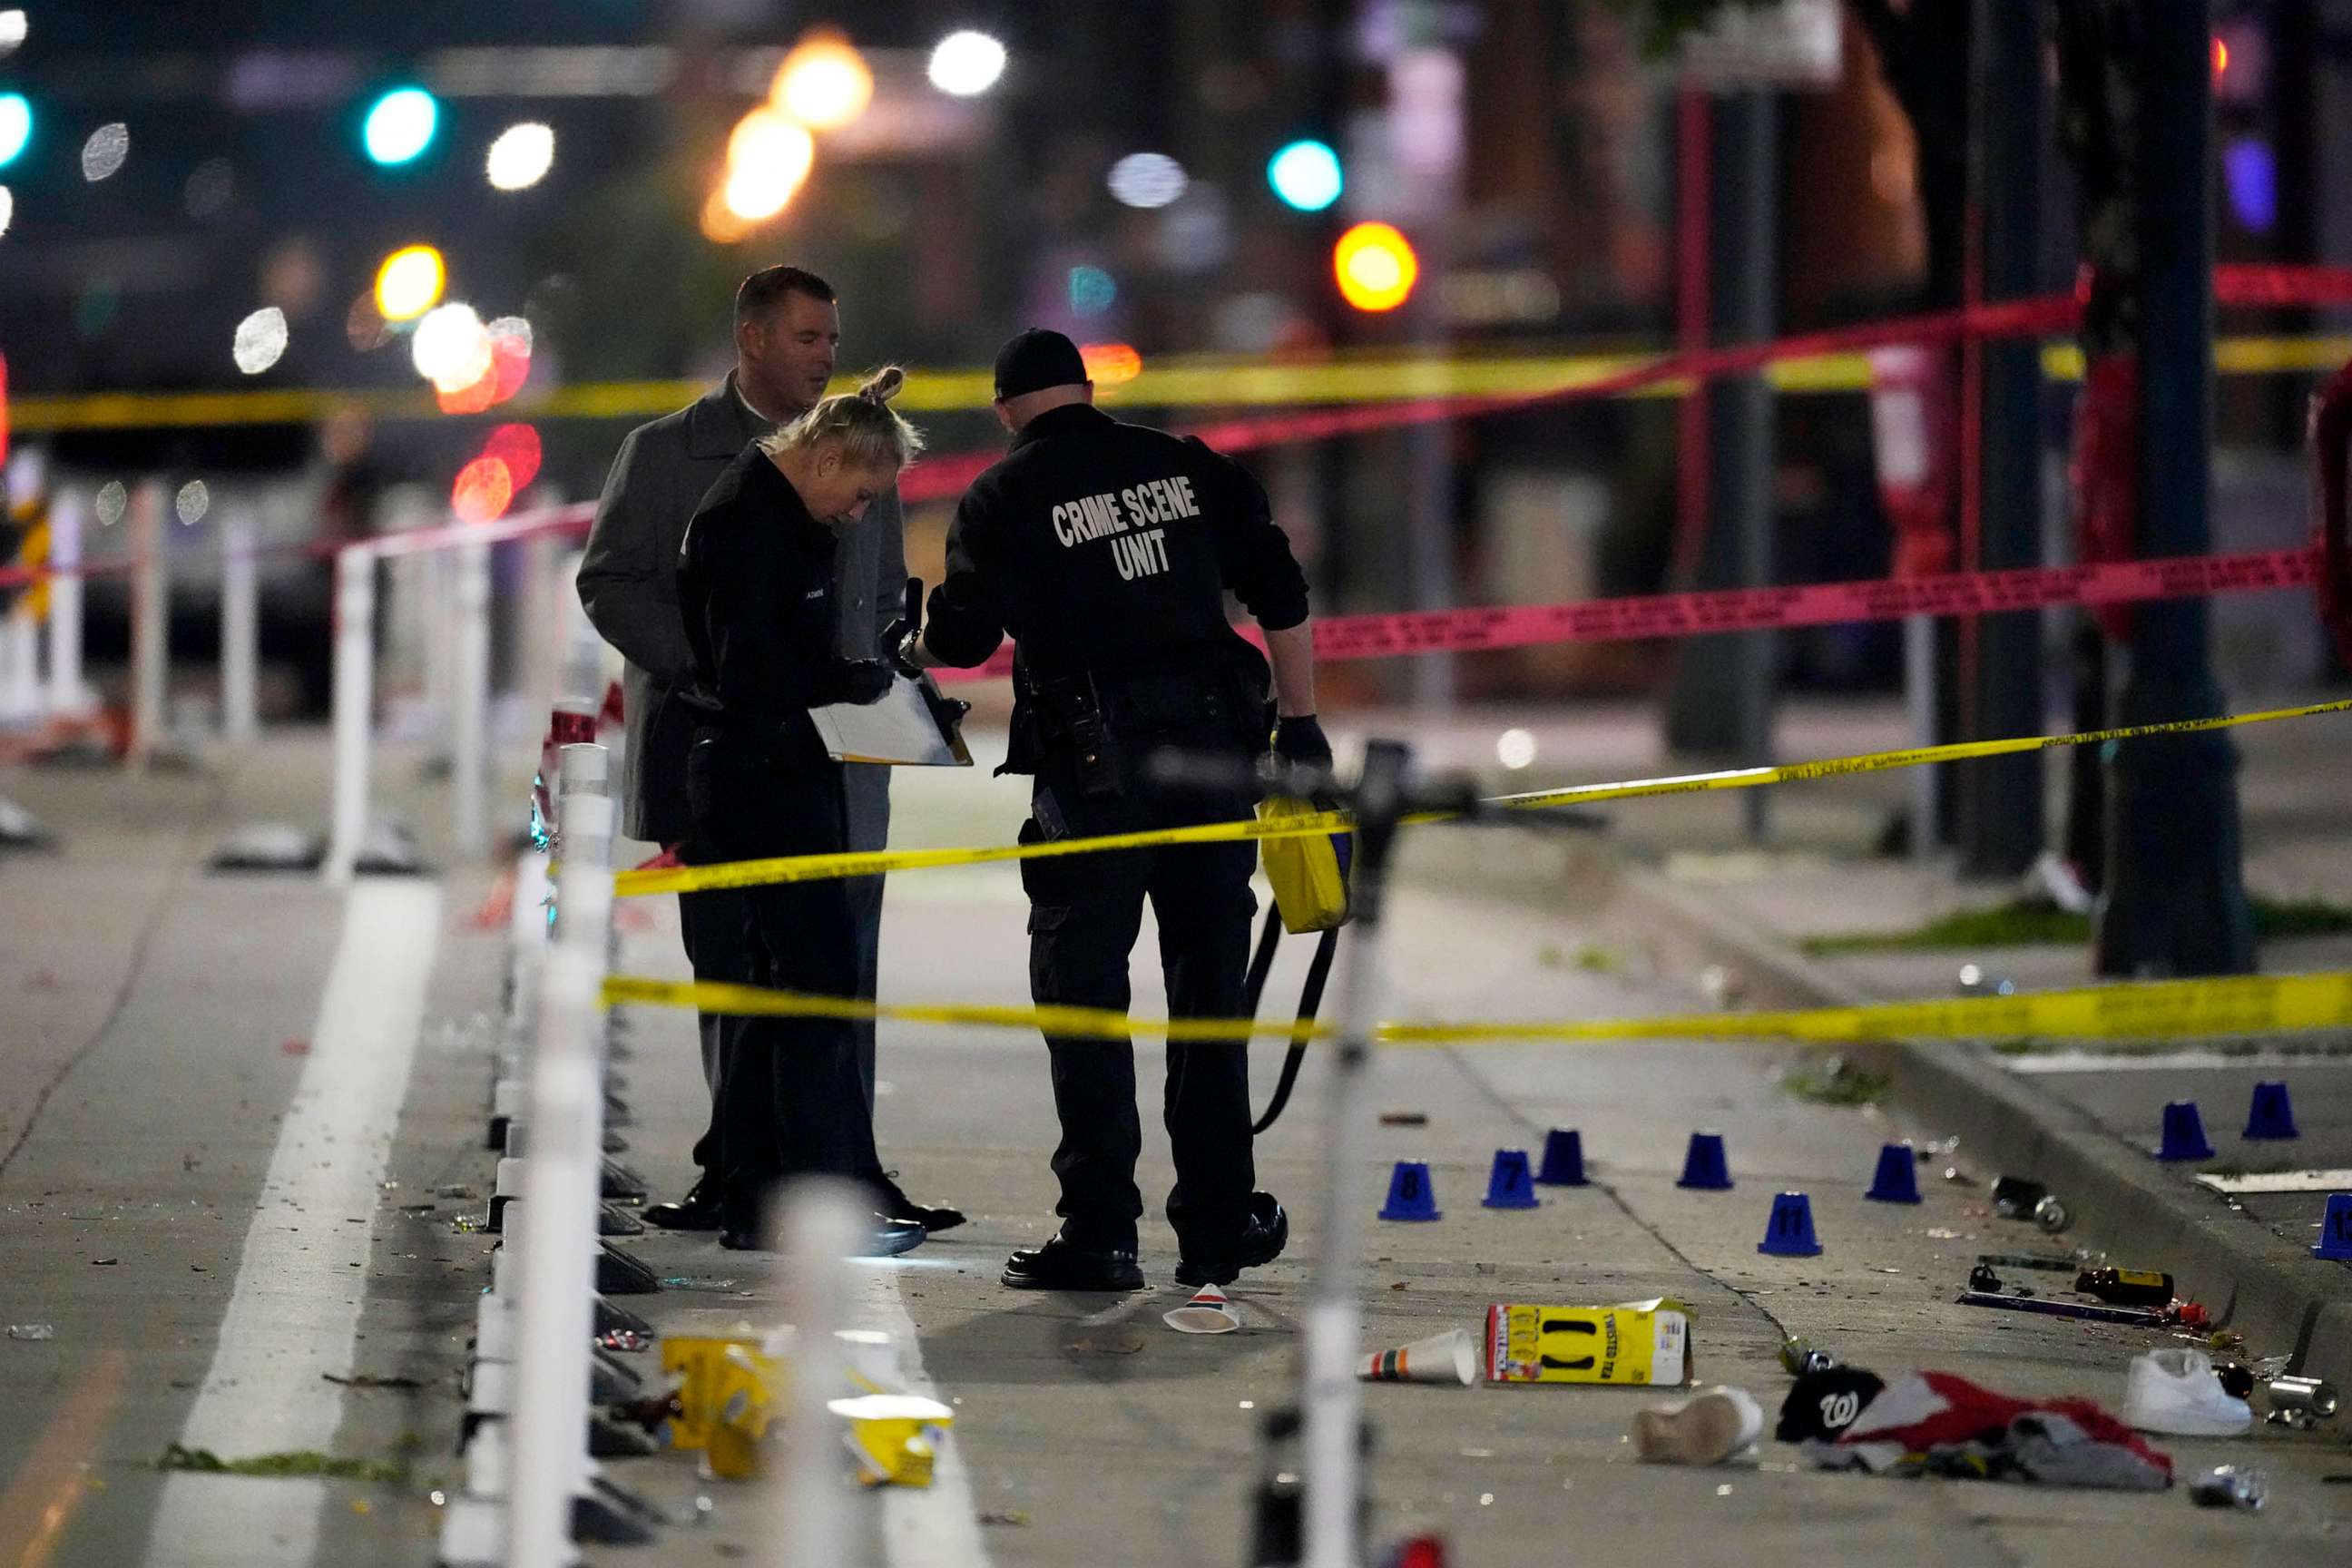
883,386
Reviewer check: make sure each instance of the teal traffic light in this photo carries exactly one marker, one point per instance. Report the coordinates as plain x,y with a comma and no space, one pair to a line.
400,125
16,126
1306,176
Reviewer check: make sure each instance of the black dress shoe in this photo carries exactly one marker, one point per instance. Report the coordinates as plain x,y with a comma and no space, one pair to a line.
1261,1241
1058,1266
698,1210
888,1236
891,1199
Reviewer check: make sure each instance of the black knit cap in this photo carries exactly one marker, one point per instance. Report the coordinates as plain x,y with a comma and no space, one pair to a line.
1036,360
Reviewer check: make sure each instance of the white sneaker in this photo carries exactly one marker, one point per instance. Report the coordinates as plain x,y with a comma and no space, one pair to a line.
2174,1391
1705,1430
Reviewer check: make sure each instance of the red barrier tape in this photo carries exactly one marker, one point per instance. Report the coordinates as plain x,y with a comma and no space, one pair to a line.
1488,627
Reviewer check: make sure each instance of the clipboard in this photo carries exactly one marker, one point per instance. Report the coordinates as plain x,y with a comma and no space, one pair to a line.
912,726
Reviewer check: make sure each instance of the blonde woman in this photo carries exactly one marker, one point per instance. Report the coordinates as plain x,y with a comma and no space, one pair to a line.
756,586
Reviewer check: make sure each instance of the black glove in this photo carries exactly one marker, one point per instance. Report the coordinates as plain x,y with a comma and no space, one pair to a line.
1300,741
858,680
902,636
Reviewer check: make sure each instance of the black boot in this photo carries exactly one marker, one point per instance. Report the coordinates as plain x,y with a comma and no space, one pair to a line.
1261,1241
698,1210
1058,1266
891,1199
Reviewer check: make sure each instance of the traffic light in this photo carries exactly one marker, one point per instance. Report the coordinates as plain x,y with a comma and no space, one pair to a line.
1306,176
16,126
400,125
1376,266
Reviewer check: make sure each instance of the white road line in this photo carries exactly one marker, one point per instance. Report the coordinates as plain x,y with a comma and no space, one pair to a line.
295,1310
938,1526
2040,1063
2334,1181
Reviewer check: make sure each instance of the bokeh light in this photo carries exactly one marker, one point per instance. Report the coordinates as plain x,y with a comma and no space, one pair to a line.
108,502
108,149
11,31
483,491
825,84
1092,290
401,125
1306,176
364,327
260,340
209,188
409,283
522,157
16,126
7,209
192,502
518,447
768,156
966,64
1376,266
451,348
1147,180
509,367
1515,749
1112,364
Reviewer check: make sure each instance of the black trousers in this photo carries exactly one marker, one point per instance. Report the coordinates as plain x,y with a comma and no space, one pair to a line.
1085,913
788,1100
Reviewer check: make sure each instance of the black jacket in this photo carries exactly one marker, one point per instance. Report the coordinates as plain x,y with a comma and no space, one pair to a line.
1104,548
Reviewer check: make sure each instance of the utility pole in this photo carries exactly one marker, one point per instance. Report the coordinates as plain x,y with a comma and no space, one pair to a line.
2175,897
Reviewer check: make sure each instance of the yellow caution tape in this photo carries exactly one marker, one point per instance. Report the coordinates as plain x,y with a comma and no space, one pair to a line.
874,863
2135,1010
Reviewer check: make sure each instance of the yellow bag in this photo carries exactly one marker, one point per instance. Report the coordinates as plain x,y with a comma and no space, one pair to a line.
1309,874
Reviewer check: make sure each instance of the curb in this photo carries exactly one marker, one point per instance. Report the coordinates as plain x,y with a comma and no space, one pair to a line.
2222,1258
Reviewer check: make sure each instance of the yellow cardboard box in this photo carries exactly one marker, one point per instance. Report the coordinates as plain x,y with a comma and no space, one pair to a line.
1645,1343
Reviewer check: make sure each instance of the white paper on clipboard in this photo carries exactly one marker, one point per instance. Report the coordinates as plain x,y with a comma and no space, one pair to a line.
902,729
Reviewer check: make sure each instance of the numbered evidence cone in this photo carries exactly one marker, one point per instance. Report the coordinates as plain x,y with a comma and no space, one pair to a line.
1410,1197
1789,1232
1208,1312
2335,1230
2272,1114
1563,1160
1509,1186
2184,1133
1448,1357
1704,1168
1897,1181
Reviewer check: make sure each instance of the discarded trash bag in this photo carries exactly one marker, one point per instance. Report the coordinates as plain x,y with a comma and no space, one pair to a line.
1935,1422
1705,1429
2176,1391
1633,1343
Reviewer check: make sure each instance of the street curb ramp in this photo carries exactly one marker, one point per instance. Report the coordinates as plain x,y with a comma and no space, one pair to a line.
2303,1306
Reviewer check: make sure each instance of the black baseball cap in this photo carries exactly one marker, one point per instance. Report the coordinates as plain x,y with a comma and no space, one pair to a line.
1036,360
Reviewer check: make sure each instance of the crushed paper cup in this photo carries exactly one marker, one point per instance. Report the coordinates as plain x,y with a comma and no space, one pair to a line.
1208,1312
1447,1357
895,1437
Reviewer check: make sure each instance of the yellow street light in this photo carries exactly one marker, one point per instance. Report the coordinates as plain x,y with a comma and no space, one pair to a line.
825,84
409,283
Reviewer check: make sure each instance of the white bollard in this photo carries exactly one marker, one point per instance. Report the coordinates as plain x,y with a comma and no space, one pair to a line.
240,671
67,696
354,699
150,622
557,1230
20,664
469,707
817,1230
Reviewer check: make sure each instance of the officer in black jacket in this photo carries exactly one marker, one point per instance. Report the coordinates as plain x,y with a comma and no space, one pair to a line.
756,583
1106,550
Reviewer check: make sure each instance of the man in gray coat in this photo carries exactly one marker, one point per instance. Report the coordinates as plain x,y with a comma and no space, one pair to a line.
787,336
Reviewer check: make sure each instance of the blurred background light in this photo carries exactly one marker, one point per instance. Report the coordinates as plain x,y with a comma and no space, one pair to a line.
106,151
966,64
483,491
522,157
7,208
110,500
1147,180
508,368
1376,266
401,125
825,84
1515,749
192,502
768,156
1112,364
517,447
210,185
1092,290
451,348
260,340
1306,176
2249,175
16,126
409,283
11,31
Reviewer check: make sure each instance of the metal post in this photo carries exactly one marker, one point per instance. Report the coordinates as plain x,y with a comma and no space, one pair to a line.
817,1231
240,632
20,666
353,700
471,700
1919,707
151,624
434,579
557,1235
67,700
